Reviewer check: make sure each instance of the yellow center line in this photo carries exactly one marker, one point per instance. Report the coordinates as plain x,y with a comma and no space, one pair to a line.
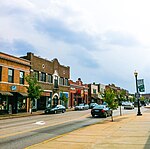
13,134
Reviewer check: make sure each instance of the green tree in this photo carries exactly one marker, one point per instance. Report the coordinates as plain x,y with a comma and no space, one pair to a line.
34,89
109,97
142,98
64,99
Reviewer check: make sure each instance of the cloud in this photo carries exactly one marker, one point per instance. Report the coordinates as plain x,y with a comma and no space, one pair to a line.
120,39
58,30
100,42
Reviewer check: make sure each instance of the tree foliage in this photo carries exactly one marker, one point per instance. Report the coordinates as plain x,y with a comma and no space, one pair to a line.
64,98
34,89
109,97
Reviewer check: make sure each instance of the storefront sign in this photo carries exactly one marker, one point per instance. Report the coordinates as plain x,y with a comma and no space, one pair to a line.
13,88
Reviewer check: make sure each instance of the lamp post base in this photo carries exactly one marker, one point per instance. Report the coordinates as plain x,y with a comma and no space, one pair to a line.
139,114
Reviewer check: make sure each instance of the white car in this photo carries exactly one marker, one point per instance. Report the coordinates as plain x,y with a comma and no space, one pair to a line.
129,105
82,106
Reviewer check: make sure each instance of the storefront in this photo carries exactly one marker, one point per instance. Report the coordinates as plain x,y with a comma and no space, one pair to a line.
4,102
44,101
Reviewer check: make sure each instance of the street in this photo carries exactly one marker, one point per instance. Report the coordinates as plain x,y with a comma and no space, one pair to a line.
21,132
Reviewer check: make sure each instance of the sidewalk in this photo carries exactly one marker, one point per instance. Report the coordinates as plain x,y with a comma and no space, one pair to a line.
126,132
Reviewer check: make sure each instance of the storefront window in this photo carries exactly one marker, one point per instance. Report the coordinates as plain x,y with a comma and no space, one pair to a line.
3,104
22,104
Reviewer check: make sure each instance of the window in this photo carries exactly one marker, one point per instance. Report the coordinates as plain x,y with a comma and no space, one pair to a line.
10,75
94,91
61,81
66,82
21,77
50,78
43,77
36,74
0,73
55,81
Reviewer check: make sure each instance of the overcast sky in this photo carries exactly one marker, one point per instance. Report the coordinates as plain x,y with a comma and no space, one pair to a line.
103,41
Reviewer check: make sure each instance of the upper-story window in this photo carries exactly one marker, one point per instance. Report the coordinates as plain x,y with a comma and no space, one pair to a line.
55,81
61,81
50,78
94,91
43,77
0,73
66,82
36,74
21,77
10,75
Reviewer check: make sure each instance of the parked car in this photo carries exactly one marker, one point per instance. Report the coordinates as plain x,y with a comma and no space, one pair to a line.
55,109
101,111
82,106
129,105
92,105
136,104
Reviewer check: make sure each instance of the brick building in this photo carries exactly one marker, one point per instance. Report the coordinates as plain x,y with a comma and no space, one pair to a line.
52,77
93,93
78,93
13,92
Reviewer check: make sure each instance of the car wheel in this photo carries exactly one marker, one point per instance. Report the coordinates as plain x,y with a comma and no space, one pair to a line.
55,112
105,114
93,115
63,111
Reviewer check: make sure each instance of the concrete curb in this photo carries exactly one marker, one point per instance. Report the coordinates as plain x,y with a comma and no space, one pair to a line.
18,115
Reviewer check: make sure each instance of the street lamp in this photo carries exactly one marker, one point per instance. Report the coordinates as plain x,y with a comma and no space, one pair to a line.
137,93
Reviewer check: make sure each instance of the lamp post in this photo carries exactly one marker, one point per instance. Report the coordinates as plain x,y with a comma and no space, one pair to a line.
137,93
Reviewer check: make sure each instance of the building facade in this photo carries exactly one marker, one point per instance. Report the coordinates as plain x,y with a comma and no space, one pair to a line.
78,93
52,77
93,93
13,92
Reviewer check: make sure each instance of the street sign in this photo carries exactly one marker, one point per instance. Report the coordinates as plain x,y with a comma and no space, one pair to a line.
137,95
140,84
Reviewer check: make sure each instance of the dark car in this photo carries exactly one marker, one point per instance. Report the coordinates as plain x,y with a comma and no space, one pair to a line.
92,105
101,111
55,109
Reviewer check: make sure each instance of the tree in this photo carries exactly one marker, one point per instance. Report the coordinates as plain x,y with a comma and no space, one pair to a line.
64,99
34,89
109,97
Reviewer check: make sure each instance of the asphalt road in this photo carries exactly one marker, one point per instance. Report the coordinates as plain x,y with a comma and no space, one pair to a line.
18,133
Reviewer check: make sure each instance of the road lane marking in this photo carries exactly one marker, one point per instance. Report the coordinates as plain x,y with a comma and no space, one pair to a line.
40,123
44,126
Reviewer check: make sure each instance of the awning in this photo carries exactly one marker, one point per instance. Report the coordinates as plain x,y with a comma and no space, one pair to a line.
6,93
23,94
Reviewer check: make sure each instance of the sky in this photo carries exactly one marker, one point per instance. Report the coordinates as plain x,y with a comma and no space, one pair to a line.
103,41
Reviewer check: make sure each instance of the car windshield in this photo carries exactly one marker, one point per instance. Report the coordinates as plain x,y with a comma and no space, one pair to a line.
93,104
99,107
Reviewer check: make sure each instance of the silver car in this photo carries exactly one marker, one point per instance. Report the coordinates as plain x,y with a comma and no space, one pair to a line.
129,105
82,106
